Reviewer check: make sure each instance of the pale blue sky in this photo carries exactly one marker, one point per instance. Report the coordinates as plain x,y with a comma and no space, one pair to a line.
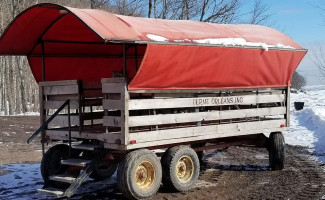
300,19
305,23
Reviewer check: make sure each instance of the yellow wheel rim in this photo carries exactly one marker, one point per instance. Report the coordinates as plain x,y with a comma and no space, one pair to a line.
184,169
145,175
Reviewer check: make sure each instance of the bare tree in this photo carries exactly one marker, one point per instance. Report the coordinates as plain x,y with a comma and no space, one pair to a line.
219,12
201,10
95,4
129,7
317,51
298,81
222,11
259,13
318,57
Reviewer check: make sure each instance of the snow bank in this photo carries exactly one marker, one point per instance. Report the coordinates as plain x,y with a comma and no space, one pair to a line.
314,88
307,126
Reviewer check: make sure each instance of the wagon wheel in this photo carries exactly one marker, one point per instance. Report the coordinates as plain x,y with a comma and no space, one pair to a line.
181,168
276,151
51,165
104,169
139,174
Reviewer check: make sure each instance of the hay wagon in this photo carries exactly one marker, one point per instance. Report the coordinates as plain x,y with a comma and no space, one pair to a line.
113,89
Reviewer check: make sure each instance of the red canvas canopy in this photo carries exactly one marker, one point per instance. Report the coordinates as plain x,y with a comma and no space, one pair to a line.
64,43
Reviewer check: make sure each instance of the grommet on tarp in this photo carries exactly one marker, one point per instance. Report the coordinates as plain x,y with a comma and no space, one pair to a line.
299,105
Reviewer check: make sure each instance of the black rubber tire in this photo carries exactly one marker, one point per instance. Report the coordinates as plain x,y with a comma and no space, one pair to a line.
103,171
51,165
200,154
126,182
276,151
169,161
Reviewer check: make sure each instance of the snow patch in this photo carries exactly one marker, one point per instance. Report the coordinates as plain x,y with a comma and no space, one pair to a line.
202,183
22,180
21,114
6,133
157,38
313,88
222,41
29,114
282,46
185,40
240,42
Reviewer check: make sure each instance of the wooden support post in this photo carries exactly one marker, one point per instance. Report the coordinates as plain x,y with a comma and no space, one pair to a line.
229,108
42,111
136,57
43,61
287,115
106,112
124,60
155,113
81,105
69,128
125,115
257,106
42,116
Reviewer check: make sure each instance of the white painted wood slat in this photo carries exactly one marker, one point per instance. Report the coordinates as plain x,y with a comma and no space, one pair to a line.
112,121
203,116
58,104
64,135
60,90
139,104
201,137
62,120
257,127
113,104
113,87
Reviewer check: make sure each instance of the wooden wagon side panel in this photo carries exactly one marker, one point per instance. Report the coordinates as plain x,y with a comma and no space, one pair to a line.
115,112
168,120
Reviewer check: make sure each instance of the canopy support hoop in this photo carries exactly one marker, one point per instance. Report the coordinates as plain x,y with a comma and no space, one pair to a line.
45,31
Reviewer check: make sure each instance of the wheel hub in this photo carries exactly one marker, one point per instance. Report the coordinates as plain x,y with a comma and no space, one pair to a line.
145,175
184,169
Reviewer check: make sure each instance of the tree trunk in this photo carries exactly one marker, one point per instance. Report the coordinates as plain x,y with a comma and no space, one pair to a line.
150,9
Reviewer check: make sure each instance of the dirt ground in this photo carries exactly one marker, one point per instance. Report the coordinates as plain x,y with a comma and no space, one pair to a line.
14,132
232,173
